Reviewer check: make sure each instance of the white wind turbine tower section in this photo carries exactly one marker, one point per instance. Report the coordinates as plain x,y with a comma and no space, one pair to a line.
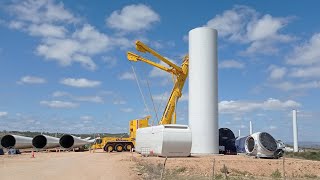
203,90
251,127
295,131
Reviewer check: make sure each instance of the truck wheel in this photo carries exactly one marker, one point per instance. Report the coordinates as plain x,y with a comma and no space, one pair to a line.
128,147
108,148
119,148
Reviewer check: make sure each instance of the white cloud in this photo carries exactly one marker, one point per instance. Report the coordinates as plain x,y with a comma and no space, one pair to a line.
306,54
95,99
234,107
244,24
110,61
80,83
231,23
277,72
50,21
92,40
59,104
127,76
31,80
60,94
47,30
79,48
126,110
16,25
42,11
3,114
267,27
119,102
134,17
288,86
306,72
228,64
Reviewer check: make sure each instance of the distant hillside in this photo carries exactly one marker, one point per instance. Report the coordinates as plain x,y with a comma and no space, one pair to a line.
306,144
32,134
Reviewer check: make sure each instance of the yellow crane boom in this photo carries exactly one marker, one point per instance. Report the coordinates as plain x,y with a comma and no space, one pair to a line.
180,74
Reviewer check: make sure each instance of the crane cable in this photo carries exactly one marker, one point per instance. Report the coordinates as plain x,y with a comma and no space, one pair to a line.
162,97
154,107
137,80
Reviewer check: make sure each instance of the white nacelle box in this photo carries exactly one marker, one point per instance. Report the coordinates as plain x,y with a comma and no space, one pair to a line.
171,140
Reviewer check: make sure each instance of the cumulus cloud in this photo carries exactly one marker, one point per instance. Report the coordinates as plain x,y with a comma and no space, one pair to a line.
289,86
231,64
232,22
306,54
32,80
127,76
47,30
277,72
234,107
110,61
302,67
80,83
244,24
42,11
93,99
132,18
119,102
60,94
60,41
306,72
3,114
82,44
59,104
16,25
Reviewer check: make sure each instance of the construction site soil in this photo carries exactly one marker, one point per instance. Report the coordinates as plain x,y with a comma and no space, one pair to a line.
125,165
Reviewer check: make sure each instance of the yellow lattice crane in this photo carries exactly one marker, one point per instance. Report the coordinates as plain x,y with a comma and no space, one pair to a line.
180,75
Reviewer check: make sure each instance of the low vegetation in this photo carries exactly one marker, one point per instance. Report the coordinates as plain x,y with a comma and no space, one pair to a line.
150,171
310,155
276,174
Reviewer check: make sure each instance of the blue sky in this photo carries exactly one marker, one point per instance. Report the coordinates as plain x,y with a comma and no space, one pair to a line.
64,67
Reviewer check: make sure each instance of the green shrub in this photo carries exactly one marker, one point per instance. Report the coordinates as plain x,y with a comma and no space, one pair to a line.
276,174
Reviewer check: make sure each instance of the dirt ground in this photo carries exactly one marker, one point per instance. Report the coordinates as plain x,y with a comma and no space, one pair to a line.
238,165
66,165
100,165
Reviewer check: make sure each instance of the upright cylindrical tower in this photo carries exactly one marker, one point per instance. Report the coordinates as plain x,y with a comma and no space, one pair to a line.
250,128
203,90
295,131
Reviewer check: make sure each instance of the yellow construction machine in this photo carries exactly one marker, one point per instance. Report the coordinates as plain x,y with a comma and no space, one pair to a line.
120,144
179,75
